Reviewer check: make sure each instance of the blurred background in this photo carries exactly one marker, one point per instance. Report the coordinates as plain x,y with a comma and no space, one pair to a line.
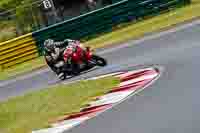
18,17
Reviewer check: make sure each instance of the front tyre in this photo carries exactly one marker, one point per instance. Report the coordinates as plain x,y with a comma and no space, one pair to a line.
62,76
99,60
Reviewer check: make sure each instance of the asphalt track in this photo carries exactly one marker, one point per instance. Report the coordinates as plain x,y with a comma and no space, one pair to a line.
171,104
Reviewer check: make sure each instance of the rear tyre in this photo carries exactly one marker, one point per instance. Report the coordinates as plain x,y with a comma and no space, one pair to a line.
75,69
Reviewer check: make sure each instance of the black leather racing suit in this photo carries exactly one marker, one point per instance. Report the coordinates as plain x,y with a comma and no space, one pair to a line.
54,58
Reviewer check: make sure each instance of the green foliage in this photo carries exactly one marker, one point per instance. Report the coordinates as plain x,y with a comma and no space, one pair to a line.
10,4
19,18
7,30
7,4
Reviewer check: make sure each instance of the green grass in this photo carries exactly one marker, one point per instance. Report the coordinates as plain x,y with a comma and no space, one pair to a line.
35,110
125,32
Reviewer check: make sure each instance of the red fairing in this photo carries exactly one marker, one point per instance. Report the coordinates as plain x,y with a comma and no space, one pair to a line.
88,55
67,53
76,57
79,51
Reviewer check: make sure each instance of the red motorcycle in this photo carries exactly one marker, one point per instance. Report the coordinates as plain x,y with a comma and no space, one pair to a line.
78,60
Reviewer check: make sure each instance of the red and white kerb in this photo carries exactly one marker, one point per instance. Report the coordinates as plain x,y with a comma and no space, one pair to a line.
131,82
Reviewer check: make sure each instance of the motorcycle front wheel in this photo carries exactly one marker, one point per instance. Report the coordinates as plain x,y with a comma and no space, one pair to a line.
99,61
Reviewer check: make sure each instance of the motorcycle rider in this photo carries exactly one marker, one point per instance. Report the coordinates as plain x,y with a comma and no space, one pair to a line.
54,50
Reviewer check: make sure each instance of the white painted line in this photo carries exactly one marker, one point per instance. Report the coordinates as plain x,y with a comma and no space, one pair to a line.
61,127
71,82
106,75
113,95
111,98
70,122
93,78
58,129
141,78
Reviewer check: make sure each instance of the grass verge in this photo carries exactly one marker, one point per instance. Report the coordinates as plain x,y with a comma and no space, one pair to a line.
121,34
36,109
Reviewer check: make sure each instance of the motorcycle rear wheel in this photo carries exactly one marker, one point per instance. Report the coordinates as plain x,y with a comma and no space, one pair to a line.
75,69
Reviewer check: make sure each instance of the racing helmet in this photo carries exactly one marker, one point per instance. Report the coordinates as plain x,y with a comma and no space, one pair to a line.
48,44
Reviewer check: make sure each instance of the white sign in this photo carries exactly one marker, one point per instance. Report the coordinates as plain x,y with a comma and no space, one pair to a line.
47,4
